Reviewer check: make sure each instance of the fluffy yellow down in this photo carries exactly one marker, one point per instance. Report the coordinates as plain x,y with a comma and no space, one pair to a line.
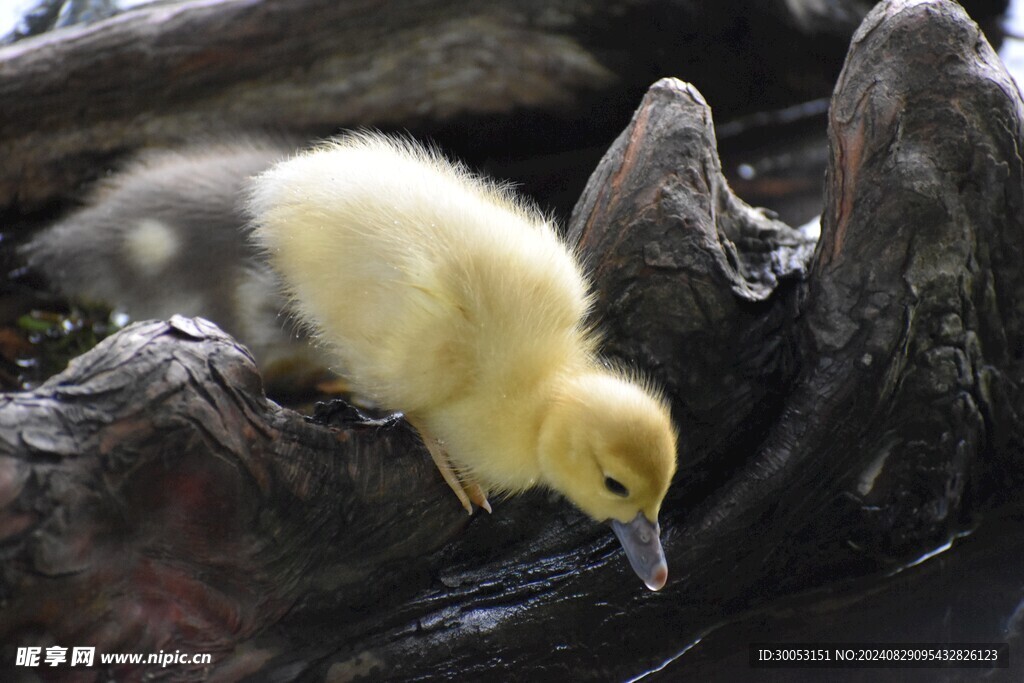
443,296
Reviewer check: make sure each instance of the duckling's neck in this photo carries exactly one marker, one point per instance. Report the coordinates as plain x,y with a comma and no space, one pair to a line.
501,448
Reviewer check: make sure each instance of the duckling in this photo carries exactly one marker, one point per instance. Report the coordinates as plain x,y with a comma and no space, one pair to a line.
444,296
166,235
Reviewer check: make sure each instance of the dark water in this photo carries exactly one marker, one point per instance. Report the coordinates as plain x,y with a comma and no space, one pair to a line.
972,591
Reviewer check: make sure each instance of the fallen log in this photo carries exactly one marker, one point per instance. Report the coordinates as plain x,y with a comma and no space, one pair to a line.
491,81
867,394
154,477
169,73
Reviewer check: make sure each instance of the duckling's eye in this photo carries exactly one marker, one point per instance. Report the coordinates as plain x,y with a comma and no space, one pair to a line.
615,487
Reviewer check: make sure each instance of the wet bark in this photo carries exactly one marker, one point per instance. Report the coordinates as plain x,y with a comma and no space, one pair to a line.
842,412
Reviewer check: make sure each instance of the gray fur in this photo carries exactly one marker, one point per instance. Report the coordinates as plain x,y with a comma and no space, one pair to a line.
198,193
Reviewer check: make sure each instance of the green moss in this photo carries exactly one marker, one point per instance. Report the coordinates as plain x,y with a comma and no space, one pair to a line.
53,338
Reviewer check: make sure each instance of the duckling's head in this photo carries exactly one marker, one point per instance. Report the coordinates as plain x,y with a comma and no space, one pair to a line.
609,446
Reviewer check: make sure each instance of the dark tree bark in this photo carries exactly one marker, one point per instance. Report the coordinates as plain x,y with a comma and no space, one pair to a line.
167,74
842,413
693,283
487,78
154,477
906,344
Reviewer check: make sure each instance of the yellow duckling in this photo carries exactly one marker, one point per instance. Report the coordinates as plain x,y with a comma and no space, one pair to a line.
444,296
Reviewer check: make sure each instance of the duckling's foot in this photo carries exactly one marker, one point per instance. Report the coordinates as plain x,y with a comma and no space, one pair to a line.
467,493
478,495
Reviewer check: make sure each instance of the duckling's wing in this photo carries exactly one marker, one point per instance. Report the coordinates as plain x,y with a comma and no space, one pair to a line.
368,289
423,279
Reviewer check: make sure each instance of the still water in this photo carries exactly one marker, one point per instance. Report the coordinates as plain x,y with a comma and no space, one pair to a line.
971,592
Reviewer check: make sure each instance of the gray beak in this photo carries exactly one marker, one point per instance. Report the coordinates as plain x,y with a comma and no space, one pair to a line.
641,540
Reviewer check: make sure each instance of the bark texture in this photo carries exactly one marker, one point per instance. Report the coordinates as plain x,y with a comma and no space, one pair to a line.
488,79
173,73
153,498
692,282
842,412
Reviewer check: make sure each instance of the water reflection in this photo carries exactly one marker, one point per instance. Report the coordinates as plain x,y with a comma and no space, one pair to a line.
973,593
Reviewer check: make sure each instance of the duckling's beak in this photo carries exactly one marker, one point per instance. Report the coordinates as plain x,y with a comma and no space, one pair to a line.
641,540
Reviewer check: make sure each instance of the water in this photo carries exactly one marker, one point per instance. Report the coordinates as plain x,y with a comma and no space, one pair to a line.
973,592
